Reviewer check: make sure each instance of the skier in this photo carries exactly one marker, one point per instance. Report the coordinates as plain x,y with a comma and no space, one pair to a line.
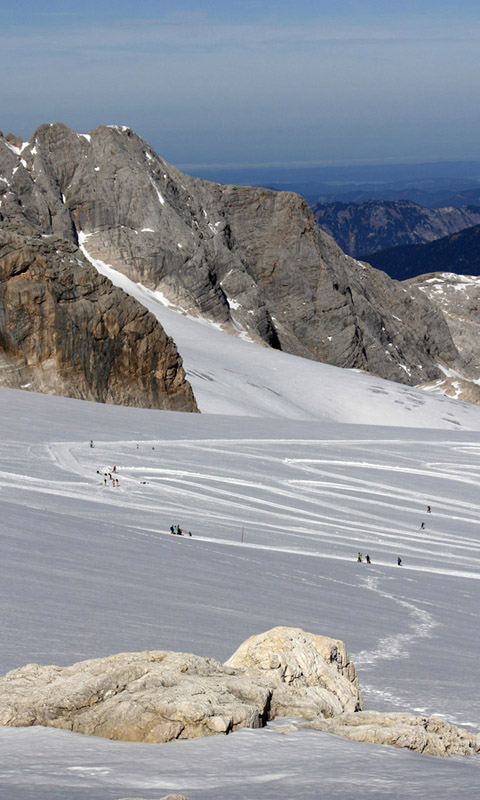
368,559
359,556
429,510
91,443
422,526
172,529
179,530
399,561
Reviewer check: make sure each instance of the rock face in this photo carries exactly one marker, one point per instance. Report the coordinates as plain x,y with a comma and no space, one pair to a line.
247,258
66,330
361,229
159,696
458,298
317,665
431,735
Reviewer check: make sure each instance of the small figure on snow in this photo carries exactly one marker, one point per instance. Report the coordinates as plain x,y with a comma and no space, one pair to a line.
91,443
399,561
422,526
367,558
172,528
429,510
359,556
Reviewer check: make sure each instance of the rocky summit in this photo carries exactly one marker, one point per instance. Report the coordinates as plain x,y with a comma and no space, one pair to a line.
250,259
158,696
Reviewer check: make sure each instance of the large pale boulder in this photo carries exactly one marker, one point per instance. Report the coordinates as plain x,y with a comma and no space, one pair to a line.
316,666
158,696
432,735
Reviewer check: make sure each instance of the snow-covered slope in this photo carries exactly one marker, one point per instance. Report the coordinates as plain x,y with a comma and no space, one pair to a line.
231,375
279,459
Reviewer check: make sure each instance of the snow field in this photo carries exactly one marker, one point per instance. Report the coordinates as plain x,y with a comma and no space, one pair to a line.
89,570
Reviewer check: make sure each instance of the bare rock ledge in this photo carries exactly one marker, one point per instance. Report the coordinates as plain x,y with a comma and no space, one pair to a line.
157,696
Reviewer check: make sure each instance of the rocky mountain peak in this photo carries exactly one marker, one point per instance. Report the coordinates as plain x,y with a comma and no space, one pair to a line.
252,260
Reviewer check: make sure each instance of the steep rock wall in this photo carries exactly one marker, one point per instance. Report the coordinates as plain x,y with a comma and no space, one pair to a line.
66,330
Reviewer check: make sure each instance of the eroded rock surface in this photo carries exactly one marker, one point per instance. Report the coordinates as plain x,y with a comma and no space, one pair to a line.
317,667
158,696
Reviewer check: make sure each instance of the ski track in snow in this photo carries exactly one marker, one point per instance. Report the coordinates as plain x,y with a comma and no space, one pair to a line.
297,509
398,645
306,505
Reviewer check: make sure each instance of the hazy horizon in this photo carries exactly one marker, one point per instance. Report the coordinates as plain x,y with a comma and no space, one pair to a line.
251,83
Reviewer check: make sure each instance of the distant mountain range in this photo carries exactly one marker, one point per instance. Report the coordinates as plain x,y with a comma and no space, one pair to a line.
431,185
459,254
364,228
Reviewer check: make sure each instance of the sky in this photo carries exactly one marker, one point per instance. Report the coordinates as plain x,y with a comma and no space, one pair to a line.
251,81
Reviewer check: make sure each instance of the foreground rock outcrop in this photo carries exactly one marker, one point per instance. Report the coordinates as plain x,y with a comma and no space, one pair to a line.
157,696
64,329
431,735
247,258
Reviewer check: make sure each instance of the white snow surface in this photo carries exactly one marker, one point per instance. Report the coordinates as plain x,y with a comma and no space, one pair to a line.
230,375
313,463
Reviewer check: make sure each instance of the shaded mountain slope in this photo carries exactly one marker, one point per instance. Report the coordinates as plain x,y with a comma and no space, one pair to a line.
459,253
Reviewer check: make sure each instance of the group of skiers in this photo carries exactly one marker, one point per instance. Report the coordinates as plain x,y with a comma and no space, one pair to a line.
112,478
176,529
399,560
369,560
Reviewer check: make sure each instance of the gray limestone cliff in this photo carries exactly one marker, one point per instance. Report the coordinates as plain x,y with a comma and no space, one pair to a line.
250,259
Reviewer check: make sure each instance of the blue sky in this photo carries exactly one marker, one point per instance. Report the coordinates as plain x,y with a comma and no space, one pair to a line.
251,81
